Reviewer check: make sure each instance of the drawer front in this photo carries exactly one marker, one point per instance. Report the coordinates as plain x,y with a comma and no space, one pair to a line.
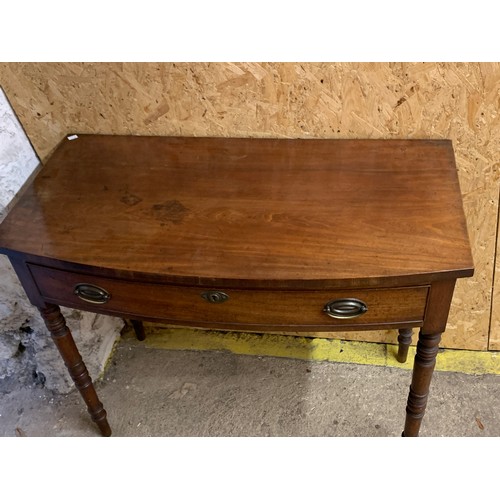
233,308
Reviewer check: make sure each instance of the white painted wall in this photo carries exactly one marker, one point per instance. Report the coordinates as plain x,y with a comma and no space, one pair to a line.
26,350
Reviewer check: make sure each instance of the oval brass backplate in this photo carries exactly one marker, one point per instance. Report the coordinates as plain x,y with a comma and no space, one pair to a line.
215,297
92,293
345,308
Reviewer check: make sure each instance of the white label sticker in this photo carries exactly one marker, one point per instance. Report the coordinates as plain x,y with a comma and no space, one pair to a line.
72,137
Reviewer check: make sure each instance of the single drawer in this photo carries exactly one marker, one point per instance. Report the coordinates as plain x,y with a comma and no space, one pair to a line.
325,310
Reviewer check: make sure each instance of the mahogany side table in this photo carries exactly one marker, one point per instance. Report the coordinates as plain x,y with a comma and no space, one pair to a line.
306,237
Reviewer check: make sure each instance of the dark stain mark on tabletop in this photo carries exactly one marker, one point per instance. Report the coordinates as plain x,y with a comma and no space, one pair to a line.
130,199
170,211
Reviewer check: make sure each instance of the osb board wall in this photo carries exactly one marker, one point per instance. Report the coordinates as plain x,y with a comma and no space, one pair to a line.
346,100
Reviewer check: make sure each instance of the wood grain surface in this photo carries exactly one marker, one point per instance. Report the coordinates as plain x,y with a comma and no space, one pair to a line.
248,209
250,309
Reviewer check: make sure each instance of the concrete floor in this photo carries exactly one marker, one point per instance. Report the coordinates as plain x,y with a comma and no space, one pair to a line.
156,392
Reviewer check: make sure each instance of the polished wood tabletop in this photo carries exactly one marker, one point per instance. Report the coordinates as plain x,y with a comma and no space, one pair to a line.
259,210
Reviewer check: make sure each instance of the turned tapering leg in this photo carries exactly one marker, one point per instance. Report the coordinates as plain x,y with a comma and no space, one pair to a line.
404,340
425,360
63,339
138,329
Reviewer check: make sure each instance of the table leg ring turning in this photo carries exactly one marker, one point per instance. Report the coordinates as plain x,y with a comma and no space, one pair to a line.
64,341
404,341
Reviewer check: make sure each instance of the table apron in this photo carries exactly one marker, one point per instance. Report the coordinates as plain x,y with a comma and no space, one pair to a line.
244,309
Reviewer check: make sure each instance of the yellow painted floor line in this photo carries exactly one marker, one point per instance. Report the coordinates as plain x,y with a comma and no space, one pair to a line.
364,353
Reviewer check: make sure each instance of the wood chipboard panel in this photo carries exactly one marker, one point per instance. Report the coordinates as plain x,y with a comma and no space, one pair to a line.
458,101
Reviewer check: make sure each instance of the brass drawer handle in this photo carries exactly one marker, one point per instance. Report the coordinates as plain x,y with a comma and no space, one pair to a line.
91,293
215,297
345,308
